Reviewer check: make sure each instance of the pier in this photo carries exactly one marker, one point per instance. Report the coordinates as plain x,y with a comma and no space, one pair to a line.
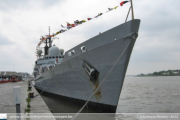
37,104
6,94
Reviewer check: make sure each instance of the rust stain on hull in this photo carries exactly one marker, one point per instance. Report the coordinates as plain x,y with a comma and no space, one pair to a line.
98,93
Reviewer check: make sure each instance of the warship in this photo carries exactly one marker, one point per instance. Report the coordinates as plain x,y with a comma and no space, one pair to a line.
92,71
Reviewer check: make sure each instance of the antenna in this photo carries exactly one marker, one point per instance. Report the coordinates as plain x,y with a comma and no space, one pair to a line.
46,48
50,41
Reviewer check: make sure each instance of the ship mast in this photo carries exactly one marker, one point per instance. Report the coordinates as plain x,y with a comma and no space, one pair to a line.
50,41
46,48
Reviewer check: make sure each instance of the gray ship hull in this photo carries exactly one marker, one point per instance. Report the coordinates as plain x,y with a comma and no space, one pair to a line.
72,80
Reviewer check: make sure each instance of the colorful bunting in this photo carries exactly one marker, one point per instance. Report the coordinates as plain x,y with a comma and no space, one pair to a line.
123,2
68,24
76,23
61,31
68,27
51,35
116,7
71,25
82,21
89,18
110,9
42,38
98,15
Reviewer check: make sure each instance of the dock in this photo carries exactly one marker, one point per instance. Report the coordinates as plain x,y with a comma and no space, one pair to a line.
37,103
7,104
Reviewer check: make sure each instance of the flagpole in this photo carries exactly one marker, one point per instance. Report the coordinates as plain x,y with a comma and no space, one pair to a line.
132,10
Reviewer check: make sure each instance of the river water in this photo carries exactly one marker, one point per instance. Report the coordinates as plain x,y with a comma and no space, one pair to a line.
150,95
139,95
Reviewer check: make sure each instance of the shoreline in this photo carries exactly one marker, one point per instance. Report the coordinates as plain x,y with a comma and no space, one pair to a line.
157,76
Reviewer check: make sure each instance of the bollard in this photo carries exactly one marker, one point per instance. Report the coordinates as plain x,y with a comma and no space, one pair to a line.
31,94
17,100
29,88
29,83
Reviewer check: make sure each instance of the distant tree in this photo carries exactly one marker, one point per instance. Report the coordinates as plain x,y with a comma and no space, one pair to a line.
169,71
155,73
160,72
142,74
149,74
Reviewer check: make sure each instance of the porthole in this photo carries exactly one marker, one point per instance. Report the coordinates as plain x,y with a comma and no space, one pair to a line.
83,49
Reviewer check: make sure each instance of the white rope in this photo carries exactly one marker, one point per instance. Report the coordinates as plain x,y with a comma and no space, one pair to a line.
101,82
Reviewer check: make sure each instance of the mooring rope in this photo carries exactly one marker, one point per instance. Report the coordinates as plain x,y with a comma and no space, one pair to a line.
102,81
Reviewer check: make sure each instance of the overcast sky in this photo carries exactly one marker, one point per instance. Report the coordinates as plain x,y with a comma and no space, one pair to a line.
22,22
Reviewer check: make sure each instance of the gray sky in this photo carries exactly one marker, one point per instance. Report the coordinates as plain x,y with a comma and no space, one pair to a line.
23,22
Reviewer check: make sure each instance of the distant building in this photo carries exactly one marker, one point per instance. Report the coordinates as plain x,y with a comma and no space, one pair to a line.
177,72
8,75
166,73
24,74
